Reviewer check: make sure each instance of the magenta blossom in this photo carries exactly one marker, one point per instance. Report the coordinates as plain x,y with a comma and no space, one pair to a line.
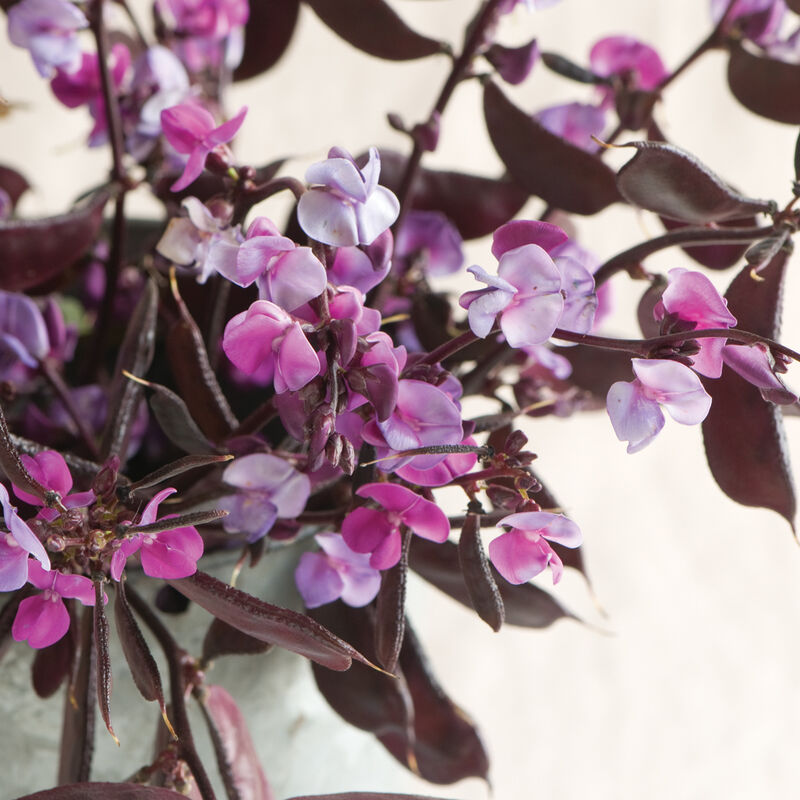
575,122
524,551
452,466
168,554
43,619
286,274
335,572
377,531
270,488
15,547
690,296
362,267
190,129
83,87
50,469
526,293
265,333
634,408
638,64
345,205
47,29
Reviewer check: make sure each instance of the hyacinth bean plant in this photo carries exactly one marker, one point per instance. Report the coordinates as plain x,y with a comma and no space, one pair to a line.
257,384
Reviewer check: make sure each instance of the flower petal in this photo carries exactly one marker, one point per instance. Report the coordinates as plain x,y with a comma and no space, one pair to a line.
42,620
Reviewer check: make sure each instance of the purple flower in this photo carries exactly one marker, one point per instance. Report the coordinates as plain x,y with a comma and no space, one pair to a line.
759,20
634,408
424,416
635,62
287,275
169,554
266,334
50,469
524,551
204,18
345,205
83,87
190,129
429,241
24,338
356,266
270,488
43,619
15,547
574,122
336,572
526,293
453,466
47,29
377,531
690,296
755,364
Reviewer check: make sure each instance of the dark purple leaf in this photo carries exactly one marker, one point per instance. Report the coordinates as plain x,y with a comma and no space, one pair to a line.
269,623
673,183
480,582
222,639
104,680
544,164
135,357
144,669
105,791
77,731
196,380
238,761
374,28
525,605
476,205
447,745
33,251
14,184
52,665
176,422
794,5
595,370
715,256
743,434
266,36
372,701
390,612
765,86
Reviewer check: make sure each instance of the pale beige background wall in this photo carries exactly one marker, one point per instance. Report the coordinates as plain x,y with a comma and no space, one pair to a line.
693,691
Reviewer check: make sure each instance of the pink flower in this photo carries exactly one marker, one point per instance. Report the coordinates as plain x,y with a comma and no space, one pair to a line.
452,466
634,61
336,572
526,293
524,551
424,416
266,334
377,531
43,619
755,364
429,241
47,29
286,274
634,408
345,205
759,20
168,554
50,469
189,128
690,296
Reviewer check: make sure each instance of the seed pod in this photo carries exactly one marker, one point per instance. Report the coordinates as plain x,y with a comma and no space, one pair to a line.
482,588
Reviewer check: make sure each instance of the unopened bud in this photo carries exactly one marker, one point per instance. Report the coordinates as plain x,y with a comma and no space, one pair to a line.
347,459
515,441
55,544
333,449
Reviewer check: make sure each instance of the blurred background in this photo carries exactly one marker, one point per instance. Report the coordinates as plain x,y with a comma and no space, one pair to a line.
684,680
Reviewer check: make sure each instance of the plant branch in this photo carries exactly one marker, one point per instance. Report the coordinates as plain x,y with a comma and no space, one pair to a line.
631,258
